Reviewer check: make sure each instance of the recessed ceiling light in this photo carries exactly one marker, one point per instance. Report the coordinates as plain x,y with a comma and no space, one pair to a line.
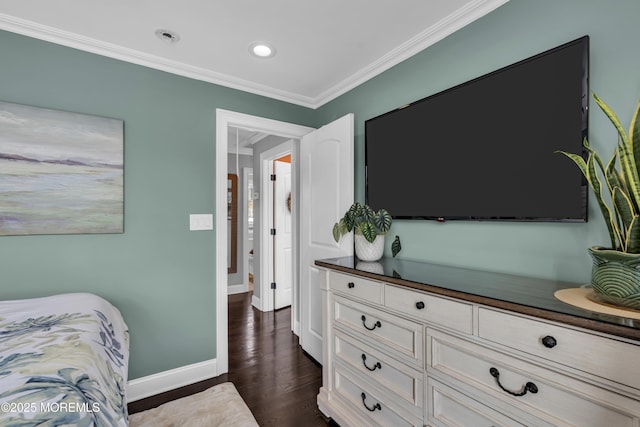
262,50
167,36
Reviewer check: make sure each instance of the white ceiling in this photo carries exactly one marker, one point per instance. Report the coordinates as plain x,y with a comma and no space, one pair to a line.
241,140
324,47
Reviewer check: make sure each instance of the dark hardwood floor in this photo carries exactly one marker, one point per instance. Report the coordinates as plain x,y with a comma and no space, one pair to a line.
277,380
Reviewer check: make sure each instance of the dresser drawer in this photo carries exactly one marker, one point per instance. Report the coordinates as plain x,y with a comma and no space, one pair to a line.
405,383
393,335
449,407
356,287
555,398
604,357
370,402
440,311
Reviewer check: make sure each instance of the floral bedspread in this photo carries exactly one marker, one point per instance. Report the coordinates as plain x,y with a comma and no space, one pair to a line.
63,362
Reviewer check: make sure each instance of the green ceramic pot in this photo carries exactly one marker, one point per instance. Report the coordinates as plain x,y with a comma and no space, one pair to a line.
615,277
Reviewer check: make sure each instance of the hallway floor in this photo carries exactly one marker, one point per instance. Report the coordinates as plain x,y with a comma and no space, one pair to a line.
278,381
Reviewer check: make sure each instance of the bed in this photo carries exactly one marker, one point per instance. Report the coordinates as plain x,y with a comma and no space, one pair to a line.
63,361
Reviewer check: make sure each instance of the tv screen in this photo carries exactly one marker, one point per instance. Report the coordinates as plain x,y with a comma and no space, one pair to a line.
485,149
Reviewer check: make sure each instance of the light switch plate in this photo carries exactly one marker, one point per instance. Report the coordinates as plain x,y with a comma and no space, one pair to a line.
200,222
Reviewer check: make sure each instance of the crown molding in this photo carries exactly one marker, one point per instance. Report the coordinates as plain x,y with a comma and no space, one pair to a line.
87,44
445,27
430,36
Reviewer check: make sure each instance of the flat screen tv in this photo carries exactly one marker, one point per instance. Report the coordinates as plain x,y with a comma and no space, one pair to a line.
485,149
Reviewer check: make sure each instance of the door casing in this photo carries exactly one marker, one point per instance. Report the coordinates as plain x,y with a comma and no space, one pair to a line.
225,119
266,222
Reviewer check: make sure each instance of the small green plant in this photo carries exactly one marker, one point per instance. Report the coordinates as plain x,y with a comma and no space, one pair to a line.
363,220
621,210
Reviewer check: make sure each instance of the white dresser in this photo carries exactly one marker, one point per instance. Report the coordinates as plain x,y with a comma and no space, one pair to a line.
398,355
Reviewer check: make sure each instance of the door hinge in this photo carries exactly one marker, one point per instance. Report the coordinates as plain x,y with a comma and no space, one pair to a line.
273,231
273,177
273,285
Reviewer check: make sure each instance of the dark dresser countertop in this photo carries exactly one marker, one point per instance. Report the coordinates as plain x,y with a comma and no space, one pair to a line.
519,294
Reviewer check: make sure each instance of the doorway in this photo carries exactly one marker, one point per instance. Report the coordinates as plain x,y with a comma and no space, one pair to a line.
266,261
280,211
247,220
224,120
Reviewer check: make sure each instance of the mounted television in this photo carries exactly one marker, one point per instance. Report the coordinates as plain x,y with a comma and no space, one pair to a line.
485,149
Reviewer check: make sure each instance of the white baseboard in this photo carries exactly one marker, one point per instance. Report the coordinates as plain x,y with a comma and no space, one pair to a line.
256,302
237,289
296,328
168,380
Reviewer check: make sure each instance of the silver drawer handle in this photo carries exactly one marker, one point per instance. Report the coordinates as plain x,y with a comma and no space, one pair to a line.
375,325
376,365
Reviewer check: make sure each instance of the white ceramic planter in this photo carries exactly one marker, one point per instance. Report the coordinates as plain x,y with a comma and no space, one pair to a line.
366,251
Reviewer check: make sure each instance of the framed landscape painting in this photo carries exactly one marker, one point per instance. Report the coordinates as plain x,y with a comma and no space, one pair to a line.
60,172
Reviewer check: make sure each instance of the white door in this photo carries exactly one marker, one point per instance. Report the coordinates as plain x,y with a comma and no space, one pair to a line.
283,240
326,192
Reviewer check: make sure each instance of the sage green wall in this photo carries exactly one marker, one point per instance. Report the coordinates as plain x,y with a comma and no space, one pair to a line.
515,31
160,275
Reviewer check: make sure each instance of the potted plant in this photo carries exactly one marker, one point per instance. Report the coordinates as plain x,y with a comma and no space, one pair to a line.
370,228
615,275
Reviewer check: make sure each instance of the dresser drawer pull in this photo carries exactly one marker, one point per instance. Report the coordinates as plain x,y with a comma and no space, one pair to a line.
528,387
351,285
420,305
549,341
372,408
375,325
377,365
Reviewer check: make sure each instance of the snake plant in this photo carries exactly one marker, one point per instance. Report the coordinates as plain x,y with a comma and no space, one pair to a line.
363,220
620,202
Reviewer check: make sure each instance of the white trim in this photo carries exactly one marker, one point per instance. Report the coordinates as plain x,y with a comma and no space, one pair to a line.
222,275
246,172
255,301
266,212
224,119
296,327
151,385
65,38
237,289
428,37
243,150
